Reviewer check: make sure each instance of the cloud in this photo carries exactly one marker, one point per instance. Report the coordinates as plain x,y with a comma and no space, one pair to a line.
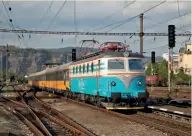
91,15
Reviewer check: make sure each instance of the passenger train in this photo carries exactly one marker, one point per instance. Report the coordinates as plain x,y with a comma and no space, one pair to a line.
112,77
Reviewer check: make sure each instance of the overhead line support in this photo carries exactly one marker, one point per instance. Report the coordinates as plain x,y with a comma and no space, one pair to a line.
87,33
141,34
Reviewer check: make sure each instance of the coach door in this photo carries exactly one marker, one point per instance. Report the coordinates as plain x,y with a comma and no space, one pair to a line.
65,77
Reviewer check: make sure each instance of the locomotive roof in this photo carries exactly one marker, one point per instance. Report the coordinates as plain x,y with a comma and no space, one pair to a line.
110,54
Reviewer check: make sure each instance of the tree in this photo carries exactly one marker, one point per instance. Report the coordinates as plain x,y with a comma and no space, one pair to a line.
163,69
181,76
155,69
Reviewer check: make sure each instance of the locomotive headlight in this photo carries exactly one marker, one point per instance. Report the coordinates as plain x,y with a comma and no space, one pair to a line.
139,83
113,83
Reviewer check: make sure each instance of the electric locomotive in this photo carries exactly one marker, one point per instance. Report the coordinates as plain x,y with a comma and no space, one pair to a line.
112,77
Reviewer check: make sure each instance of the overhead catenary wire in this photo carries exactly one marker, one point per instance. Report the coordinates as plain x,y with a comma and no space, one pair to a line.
127,20
10,20
89,33
136,16
57,13
109,16
132,2
163,46
165,21
180,28
46,11
178,8
75,23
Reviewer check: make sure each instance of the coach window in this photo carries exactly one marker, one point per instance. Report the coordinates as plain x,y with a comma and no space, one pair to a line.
83,68
92,67
87,67
80,69
67,75
73,70
64,75
76,69
99,64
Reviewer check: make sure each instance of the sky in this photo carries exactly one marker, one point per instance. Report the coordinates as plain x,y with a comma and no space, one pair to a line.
91,15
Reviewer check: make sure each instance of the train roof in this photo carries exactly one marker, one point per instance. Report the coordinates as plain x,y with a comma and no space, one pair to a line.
50,70
110,54
58,68
37,73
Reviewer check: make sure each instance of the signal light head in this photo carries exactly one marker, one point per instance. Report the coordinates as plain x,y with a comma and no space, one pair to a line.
171,35
152,57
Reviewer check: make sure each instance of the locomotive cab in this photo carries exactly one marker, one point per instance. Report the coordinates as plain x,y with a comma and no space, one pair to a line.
126,80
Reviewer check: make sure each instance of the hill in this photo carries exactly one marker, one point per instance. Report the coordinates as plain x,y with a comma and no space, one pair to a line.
25,61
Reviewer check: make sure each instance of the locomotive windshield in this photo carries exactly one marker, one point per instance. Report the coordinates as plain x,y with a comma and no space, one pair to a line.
135,64
115,64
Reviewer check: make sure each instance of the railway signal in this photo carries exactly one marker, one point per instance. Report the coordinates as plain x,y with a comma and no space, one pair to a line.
171,43
171,36
73,54
152,57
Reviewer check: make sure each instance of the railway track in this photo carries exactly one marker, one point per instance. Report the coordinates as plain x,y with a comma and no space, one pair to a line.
55,118
44,121
181,93
164,124
15,109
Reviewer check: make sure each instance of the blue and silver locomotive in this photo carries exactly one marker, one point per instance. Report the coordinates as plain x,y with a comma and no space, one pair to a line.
110,77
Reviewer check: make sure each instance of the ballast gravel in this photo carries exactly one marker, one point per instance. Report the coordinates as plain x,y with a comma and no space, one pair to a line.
9,123
103,124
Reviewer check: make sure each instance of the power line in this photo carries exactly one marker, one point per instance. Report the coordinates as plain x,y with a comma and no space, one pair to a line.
88,33
122,23
57,13
162,46
114,14
180,28
46,11
75,21
127,20
109,16
136,16
178,8
165,21
10,20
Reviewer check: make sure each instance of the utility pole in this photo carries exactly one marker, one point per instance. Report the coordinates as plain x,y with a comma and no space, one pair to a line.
6,66
169,70
171,44
141,33
151,76
152,71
